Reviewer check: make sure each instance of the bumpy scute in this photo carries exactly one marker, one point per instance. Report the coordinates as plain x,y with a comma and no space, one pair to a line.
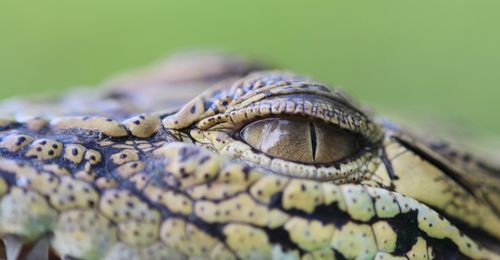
85,234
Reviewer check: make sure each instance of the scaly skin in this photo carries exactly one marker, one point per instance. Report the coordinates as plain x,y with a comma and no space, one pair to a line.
131,174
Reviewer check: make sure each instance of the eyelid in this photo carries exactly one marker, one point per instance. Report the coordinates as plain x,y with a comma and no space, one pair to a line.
305,105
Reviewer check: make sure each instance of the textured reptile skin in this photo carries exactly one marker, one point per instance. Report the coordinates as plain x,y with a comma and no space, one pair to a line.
152,166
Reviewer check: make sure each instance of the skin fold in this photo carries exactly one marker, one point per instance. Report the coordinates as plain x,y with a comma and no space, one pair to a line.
216,156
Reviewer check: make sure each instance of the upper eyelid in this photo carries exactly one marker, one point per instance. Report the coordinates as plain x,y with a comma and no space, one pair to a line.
314,106
234,95
294,89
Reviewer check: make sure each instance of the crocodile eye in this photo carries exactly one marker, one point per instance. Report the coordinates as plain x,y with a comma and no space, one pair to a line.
301,140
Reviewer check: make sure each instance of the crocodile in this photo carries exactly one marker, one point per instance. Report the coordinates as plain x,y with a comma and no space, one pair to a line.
219,156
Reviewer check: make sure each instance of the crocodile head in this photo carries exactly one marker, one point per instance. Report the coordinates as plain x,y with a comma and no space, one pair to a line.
256,165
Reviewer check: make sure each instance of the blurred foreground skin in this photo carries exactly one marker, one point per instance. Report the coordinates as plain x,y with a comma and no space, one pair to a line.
213,156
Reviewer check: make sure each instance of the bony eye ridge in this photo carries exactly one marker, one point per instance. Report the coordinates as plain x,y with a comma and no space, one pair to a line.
301,140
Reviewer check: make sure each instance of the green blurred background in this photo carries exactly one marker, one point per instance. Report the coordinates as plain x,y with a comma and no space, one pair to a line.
428,59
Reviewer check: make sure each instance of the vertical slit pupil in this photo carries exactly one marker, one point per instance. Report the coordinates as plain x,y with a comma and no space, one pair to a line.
312,131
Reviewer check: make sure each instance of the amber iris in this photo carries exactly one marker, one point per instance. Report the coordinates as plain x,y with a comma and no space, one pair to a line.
301,140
